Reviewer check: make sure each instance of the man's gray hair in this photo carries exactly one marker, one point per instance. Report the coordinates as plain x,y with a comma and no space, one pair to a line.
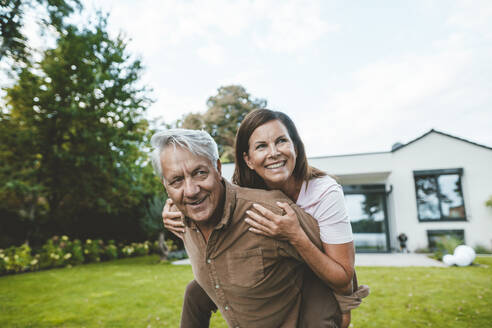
197,142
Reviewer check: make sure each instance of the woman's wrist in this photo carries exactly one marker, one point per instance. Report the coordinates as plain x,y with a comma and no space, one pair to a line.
298,238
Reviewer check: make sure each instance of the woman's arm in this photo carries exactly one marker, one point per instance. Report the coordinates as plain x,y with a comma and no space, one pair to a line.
335,266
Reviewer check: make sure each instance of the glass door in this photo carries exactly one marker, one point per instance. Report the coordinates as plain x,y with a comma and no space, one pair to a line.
366,206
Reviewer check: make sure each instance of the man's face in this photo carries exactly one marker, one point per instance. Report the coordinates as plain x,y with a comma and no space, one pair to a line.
192,182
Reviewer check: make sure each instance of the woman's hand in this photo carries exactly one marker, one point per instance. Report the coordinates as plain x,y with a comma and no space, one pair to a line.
172,219
265,222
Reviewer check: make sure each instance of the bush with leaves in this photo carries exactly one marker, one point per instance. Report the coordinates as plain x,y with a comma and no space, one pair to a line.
18,259
61,251
72,251
110,251
51,255
93,250
3,263
77,252
171,246
446,245
480,249
141,249
128,251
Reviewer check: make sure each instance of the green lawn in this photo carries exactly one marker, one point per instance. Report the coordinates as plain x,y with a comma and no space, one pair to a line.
140,292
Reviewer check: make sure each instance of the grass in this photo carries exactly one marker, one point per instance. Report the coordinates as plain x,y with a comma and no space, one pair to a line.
140,292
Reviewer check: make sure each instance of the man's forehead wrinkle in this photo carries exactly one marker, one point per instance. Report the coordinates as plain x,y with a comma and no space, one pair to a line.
187,166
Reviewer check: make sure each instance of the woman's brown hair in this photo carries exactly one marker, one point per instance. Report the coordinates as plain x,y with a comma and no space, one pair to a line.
243,175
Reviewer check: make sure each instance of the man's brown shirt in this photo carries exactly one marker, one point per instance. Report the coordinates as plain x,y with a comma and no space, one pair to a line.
254,280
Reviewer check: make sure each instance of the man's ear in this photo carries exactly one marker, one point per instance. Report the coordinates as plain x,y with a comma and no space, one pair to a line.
219,167
246,160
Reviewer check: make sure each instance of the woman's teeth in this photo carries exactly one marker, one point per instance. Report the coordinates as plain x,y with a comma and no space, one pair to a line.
274,166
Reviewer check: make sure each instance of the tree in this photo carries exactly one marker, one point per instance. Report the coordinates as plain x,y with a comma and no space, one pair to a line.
225,112
13,43
72,136
489,202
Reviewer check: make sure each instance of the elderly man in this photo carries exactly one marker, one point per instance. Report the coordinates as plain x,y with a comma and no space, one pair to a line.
255,281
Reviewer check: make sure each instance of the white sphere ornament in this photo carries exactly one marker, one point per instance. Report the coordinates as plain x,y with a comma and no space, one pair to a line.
449,259
464,255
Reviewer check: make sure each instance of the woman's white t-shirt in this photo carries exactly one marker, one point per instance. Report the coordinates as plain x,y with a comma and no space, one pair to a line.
323,200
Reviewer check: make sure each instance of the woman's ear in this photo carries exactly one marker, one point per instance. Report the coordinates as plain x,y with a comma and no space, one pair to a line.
246,160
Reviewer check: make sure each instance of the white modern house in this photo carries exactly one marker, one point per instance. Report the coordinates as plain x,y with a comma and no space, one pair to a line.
435,185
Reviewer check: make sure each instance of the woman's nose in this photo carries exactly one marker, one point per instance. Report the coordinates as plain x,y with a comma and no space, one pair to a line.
273,150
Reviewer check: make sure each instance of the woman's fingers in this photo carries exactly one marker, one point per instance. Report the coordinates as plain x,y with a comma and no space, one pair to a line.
286,207
257,226
260,219
171,215
172,219
176,227
265,212
170,211
259,232
177,224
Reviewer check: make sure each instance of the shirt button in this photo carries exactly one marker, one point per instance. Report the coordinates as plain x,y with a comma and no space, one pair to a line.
217,286
209,261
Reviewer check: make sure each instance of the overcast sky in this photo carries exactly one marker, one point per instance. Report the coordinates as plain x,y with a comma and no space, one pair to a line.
355,76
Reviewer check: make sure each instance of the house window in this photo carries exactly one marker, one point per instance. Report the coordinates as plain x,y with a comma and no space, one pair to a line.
439,195
433,236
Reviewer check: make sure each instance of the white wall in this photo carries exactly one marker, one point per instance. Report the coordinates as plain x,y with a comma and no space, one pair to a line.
437,151
432,152
228,171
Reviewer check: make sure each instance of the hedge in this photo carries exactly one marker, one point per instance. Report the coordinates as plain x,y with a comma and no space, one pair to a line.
61,252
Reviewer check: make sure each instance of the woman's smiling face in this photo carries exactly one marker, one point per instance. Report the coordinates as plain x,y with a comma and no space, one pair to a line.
271,154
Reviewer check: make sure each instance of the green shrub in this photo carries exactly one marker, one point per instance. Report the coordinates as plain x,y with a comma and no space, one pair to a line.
155,249
93,250
110,251
127,251
480,249
51,255
141,249
3,264
77,252
18,259
61,251
72,251
171,246
446,245
58,252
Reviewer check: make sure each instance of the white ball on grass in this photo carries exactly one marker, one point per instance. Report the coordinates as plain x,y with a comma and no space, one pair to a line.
449,259
467,250
464,255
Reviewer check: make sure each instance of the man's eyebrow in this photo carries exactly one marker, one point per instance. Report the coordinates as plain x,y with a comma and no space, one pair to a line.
200,167
174,176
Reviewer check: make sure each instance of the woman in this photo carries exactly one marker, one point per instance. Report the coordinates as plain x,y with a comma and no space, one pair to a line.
269,154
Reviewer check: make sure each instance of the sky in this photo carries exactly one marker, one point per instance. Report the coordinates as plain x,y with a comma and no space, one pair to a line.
355,76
